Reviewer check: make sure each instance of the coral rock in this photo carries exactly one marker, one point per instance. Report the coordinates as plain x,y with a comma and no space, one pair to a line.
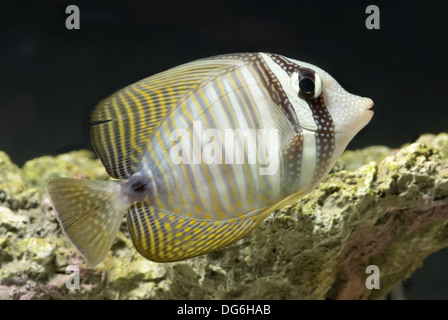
378,207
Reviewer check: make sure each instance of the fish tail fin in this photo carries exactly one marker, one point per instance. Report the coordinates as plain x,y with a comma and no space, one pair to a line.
89,212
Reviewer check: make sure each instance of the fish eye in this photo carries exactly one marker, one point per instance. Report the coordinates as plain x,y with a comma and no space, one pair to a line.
310,85
306,85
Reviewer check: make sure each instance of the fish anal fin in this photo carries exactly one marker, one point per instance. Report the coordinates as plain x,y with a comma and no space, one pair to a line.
163,236
285,201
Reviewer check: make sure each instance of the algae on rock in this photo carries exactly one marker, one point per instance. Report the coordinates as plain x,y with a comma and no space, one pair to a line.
378,206
81,164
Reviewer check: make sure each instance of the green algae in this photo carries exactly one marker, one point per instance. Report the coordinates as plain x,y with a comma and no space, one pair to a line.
75,164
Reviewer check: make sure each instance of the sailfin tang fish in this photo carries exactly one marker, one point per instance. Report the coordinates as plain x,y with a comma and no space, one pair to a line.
203,152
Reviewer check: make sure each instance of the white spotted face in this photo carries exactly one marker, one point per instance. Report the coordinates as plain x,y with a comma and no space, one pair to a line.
350,113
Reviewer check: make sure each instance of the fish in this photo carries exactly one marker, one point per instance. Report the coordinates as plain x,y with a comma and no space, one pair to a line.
202,153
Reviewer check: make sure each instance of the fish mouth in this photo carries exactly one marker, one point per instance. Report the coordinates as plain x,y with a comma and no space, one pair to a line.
363,117
367,103
364,114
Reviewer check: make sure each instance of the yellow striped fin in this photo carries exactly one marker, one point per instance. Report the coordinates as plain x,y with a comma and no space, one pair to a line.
123,122
163,236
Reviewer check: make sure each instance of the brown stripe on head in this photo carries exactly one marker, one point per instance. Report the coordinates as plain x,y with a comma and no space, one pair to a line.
325,136
284,63
275,90
293,153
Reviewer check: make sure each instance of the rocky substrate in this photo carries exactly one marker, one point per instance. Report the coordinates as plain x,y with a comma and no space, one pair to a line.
381,207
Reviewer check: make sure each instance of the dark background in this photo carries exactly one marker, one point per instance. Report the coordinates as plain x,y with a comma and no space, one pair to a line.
51,77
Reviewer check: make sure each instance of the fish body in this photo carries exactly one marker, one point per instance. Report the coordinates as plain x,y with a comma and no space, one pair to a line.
203,152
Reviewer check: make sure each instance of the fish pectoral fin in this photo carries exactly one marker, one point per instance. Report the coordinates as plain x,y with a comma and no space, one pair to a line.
89,212
163,236
274,118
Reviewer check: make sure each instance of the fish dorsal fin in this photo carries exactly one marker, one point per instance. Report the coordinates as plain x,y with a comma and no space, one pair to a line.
123,122
163,236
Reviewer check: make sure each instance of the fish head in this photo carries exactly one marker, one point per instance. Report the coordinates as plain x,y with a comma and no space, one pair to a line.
319,91
349,112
